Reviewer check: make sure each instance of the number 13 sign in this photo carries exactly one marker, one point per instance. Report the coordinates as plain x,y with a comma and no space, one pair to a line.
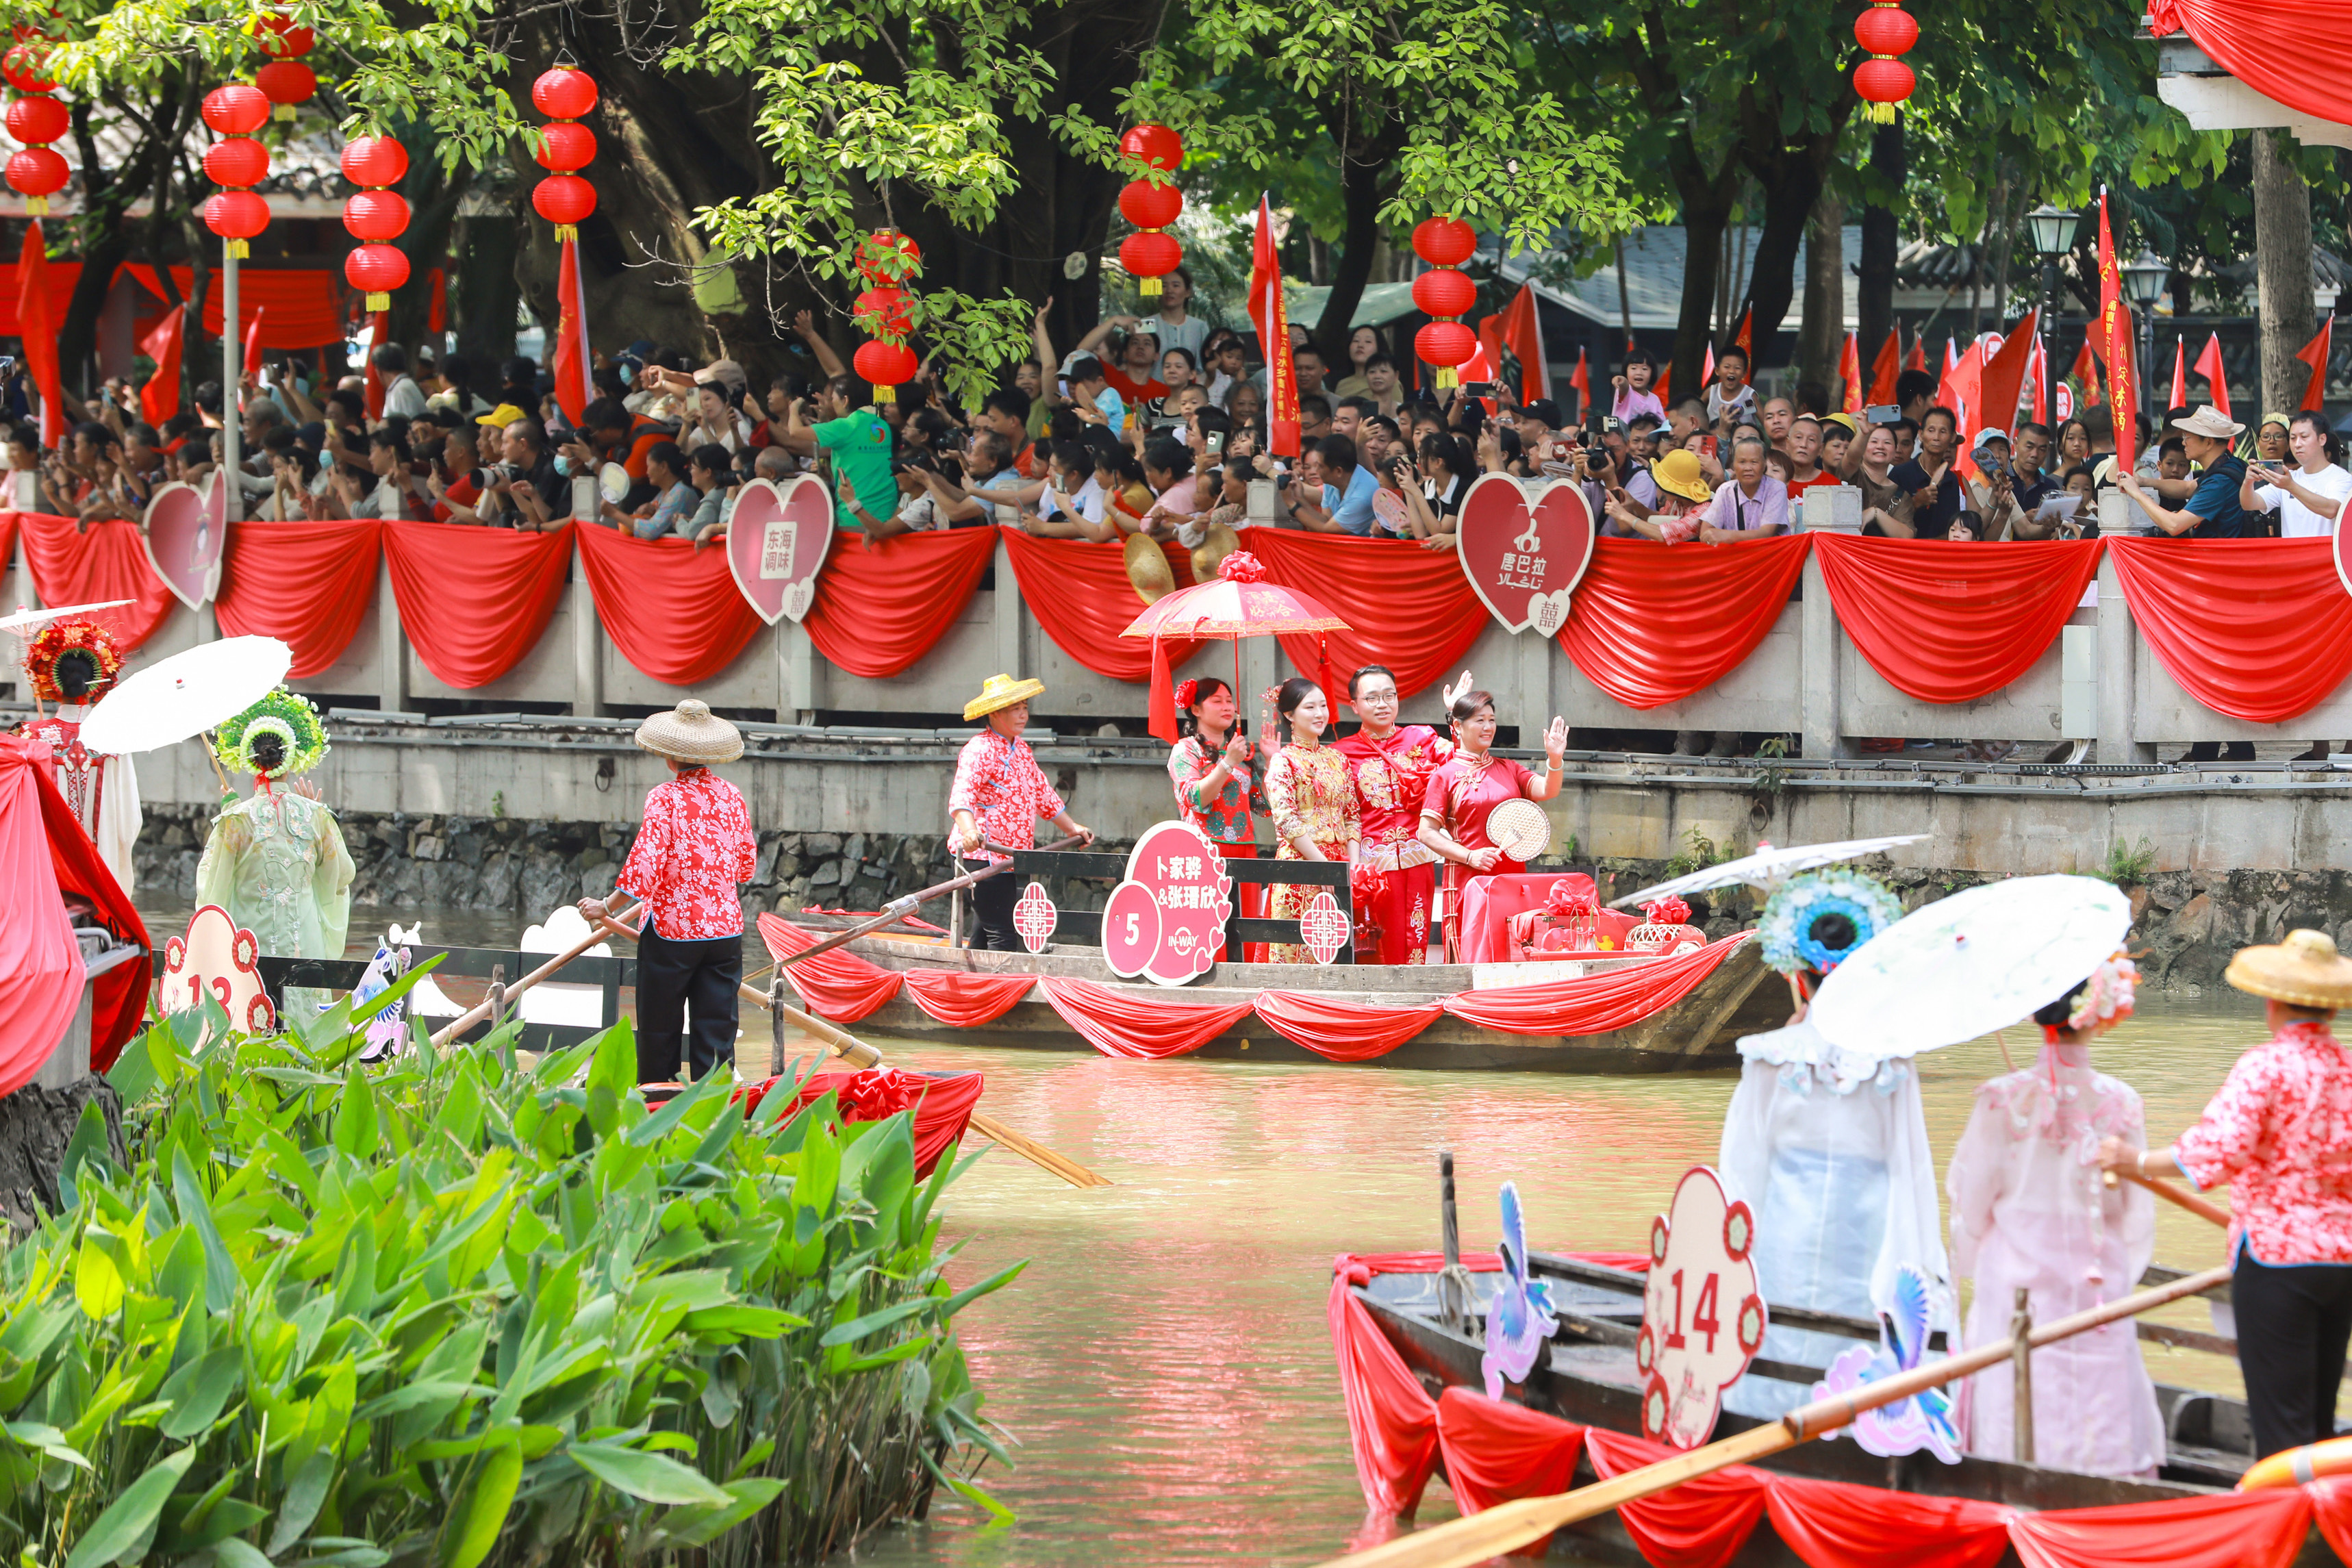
1702,1316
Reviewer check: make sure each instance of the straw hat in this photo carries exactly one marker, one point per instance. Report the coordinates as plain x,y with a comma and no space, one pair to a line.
2214,426
1001,692
1678,473
2304,970
1219,542
691,732
1148,569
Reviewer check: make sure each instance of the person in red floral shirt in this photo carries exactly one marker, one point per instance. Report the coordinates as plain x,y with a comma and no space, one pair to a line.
2280,1134
693,851
1000,791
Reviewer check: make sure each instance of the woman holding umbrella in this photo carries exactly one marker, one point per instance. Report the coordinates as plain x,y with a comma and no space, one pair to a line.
1210,768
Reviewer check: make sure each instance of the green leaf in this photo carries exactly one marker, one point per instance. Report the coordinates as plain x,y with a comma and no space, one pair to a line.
200,1391
88,1144
238,1552
873,1322
355,1118
487,1504
989,1286
646,1475
98,1284
128,1522
220,1270
304,1494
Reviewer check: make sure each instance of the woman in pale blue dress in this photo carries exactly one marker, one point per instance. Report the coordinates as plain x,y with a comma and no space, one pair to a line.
275,860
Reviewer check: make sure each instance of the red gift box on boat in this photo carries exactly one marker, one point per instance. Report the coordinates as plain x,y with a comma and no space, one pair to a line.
1571,923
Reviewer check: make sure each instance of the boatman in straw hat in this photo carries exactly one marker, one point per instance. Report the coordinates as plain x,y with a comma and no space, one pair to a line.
694,850
999,796
2280,1134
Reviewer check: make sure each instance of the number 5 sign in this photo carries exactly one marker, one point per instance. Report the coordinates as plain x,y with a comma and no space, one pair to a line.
1701,1317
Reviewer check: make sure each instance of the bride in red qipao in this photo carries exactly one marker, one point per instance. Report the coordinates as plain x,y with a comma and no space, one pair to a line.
1464,791
1390,764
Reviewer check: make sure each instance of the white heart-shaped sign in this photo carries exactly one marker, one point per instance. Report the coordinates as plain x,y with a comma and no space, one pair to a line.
185,533
1524,558
777,544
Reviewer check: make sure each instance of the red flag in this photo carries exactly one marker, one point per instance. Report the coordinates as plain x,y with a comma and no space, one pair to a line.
1962,392
370,382
39,331
2180,372
253,339
159,398
572,357
1887,367
2315,354
2004,376
2040,371
1915,360
1706,371
1743,337
1952,355
2087,374
1850,372
1581,379
1524,337
2112,332
1665,387
2208,365
1272,316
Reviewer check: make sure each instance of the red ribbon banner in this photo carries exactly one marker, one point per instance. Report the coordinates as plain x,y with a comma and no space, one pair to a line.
1654,623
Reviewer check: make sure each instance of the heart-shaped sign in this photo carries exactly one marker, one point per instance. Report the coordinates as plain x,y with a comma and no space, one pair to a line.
777,544
186,533
1523,557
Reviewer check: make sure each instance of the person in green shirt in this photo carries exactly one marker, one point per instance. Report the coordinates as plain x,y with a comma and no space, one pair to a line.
857,443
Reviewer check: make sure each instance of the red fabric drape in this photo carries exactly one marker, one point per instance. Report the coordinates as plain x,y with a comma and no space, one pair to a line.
107,562
942,1102
673,611
2259,629
1080,595
475,600
1831,1524
963,1000
1702,1523
878,611
1951,623
1654,623
1339,1031
306,583
839,984
300,307
2331,1508
1593,1004
1495,1452
62,278
1119,1025
1391,1423
1406,607
2243,37
2234,1529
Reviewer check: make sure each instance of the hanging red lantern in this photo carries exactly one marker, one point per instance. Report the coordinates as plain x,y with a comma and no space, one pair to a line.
1147,206
564,146
36,119
237,109
563,93
563,198
376,270
374,160
1886,30
1447,345
283,39
1155,146
237,162
1149,256
1444,241
236,216
1151,253
1444,292
882,243
884,312
37,173
1883,84
886,365
287,83
375,215
22,66
566,201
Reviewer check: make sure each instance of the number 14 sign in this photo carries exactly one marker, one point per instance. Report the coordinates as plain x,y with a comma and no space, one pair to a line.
1701,1317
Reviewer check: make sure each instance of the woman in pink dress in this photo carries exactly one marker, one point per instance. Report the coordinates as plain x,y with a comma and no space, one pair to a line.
1307,788
1211,767
1390,764
1464,791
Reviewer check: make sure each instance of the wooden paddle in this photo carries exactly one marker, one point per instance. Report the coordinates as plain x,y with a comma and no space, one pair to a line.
1465,1542
481,1010
2172,1194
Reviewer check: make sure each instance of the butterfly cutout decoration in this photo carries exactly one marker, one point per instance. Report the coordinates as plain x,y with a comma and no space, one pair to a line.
1519,1320
1926,1420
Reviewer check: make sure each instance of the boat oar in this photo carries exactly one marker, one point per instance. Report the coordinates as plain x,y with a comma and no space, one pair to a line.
481,1010
1463,1542
899,908
2172,1194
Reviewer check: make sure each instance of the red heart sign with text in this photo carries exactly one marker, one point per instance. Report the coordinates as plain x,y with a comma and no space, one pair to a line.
777,544
186,532
1525,558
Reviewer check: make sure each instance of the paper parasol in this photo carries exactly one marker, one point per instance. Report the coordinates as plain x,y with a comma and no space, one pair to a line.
1971,964
27,623
1768,867
1238,602
186,694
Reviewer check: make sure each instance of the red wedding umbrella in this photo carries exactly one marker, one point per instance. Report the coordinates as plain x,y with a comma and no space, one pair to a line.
1238,602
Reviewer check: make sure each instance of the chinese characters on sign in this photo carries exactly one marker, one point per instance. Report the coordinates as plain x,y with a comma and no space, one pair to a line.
1524,558
777,544
1166,920
1702,1315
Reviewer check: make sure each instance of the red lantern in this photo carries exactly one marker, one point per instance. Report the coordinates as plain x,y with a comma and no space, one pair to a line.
283,38
236,110
1881,80
375,215
1147,206
376,270
885,365
1445,242
376,161
37,119
37,173
566,201
1446,345
287,83
1154,146
883,311
563,93
240,160
564,146
1150,257
1883,84
1886,29
1444,292
236,216
875,247
20,67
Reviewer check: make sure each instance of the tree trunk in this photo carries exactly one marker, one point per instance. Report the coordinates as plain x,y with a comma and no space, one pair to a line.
1705,212
1823,333
2283,248
1792,184
1367,178
1882,236
483,296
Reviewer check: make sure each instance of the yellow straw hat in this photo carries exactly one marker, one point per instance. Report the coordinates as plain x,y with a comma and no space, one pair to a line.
1216,543
1678,473
691,732
1001,692
1147,569
2304,970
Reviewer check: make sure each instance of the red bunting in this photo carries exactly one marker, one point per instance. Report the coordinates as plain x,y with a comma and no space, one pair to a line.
308,584
2259,629
70,567
672,610
839,984
1654,623
1409,608
963,999
2244,38
1593,1004
1082,597
1498,1452
1124,1024
877,611
445,575
1951,623
1342,1031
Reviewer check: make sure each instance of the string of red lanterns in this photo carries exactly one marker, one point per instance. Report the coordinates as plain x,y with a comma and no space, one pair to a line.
1886,30
886,258
376,218
565,96
238,163
1150,253
1445,242
285,81
36,119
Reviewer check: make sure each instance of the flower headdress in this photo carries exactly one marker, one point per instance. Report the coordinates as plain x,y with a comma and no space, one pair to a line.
1798,931
1188,691
60,638
2106,995
282,713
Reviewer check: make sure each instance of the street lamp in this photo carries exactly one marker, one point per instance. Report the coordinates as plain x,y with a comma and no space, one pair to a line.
2143,281
2054,236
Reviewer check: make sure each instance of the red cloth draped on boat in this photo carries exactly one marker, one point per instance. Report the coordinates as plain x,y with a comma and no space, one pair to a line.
1497,1452
1654,623
877,611
2233,1529
1405,607
1836,1524
1081,594
839,984
1951,622
672,610
70,567
475,600
1391,1420
1121,1024
963,999
2244,37
942,1102
306,584
1702,1523
1593,1004
2259,629
1341,1031
2331,1507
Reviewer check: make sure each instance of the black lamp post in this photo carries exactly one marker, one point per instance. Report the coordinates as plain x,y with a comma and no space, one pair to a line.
2052,229
2143,281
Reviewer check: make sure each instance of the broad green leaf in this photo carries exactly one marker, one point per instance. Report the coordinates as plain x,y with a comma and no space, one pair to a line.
237,1553
200,1391
647,1476
88,1144
355,1118
484,1514
872,1322
123,1530
304,1494
98,1284
220,1270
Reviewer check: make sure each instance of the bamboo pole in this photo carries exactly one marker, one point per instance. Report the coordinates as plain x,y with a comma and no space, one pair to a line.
2172,1194
481,1010
900,907
1466,1542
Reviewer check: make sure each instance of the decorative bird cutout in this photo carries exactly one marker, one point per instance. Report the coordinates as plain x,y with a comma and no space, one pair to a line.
1924,1420
1519,1320
384,1029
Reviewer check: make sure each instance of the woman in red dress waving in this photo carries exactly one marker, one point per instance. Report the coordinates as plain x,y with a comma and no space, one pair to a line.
1464,792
